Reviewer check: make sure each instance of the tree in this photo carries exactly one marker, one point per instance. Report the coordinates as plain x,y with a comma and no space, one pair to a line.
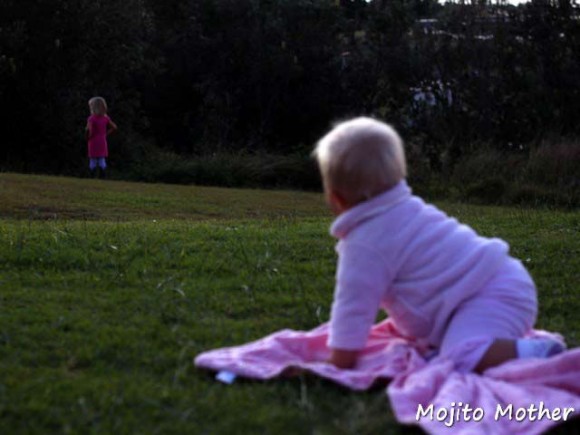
59,56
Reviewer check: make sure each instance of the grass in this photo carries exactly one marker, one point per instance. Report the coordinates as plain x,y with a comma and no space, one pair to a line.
42,197
110,289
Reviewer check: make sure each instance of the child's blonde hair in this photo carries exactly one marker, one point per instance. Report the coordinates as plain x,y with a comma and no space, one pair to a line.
361,158
98,106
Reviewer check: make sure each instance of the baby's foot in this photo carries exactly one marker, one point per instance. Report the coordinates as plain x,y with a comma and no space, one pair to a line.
538,347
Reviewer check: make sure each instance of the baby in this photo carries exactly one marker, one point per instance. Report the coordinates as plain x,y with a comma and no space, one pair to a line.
439,281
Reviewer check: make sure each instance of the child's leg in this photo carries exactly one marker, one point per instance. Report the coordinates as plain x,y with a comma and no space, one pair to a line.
92,166
502,350
103,167
484,331
482,334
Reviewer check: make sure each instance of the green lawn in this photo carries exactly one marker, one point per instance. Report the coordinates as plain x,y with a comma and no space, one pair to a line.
108,290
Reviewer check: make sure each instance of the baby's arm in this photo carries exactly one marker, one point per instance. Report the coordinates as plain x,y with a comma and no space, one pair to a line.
362,278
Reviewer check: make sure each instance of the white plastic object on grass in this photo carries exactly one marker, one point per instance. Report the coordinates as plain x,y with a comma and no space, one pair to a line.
226,377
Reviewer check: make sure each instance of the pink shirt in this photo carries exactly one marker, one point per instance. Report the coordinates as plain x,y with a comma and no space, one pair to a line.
412,260
98,136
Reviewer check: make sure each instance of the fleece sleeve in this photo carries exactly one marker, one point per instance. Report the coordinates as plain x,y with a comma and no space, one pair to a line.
362,278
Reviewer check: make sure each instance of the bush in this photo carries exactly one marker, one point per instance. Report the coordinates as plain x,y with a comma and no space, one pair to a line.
229,170
490,190
489,164
549,178
534,195
555,165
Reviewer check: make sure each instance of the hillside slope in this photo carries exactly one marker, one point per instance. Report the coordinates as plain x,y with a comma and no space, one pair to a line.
47,197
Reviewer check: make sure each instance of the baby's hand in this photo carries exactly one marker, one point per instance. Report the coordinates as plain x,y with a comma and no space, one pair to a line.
343,359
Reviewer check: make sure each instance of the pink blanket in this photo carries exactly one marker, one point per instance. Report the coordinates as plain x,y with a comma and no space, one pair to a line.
522,396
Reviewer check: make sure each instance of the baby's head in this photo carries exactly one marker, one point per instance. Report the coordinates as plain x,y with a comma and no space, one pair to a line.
358,160
98,106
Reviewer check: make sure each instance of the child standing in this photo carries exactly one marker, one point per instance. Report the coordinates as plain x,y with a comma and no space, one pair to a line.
455,292
99,126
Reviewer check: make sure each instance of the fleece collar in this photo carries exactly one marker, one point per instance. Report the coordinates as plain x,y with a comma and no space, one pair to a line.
379,204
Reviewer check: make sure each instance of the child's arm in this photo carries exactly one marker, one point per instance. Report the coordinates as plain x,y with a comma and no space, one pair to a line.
111,127
88,131
362,279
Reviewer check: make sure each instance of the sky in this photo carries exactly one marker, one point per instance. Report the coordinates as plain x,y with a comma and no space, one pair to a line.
513,2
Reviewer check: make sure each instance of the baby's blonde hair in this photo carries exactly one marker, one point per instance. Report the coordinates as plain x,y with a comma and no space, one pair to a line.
361,158
98,106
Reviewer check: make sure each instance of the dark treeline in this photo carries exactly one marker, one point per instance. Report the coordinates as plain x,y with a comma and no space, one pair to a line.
197,77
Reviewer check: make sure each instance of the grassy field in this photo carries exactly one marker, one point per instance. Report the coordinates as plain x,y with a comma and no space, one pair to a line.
109,289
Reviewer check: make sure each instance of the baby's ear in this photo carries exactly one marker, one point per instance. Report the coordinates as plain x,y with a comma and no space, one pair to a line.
337,201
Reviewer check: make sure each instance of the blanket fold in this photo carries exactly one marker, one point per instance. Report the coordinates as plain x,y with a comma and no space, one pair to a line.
521,396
